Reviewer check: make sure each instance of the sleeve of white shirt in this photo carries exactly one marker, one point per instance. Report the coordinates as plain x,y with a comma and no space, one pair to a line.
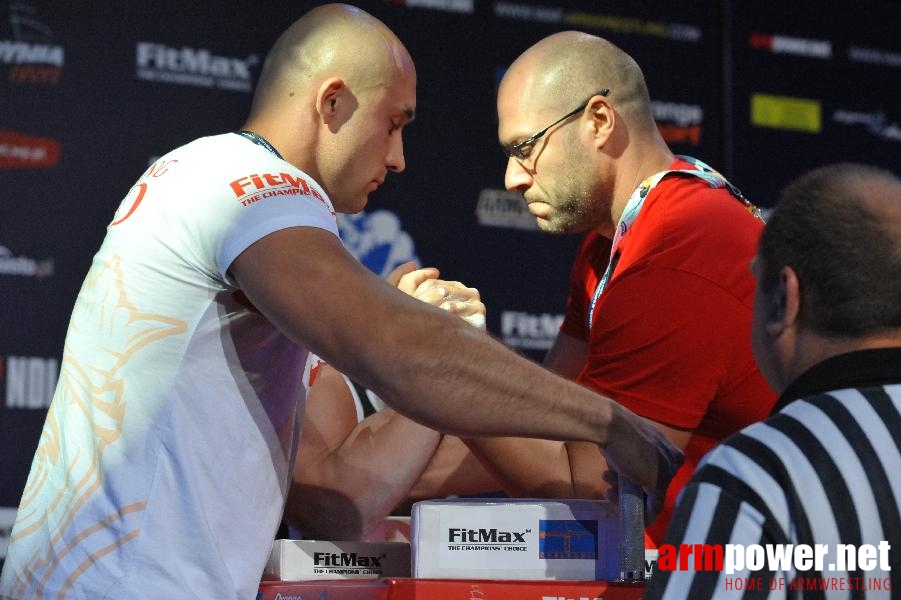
209,200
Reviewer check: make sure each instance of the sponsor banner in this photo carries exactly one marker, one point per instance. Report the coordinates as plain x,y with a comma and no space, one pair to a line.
500,208
783,44
28,381
32,55
7,519
529,331
455,6
783,112
196,67
23,151
678,123
874,56
24,266
876,123
681,32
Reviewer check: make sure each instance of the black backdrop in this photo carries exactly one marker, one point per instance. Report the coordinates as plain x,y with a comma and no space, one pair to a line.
90,94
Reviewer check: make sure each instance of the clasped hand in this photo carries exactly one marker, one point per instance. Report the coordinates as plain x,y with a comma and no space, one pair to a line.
452,296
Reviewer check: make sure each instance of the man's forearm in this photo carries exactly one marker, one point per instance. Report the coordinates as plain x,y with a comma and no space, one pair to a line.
526,467
350,489
453,470
450,376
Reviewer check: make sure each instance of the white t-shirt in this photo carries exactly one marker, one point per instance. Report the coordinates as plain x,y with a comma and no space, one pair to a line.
164,462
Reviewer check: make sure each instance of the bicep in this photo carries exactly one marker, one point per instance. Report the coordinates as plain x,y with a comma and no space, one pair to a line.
292,276
329,415
304,281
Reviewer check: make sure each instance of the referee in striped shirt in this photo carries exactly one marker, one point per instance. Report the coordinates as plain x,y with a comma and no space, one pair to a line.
824,470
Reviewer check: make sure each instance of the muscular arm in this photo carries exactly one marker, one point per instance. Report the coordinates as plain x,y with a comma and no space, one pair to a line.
532,468
453,470
349,475
539,468
427,363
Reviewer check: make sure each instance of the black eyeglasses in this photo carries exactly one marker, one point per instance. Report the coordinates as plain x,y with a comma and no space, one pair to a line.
521,150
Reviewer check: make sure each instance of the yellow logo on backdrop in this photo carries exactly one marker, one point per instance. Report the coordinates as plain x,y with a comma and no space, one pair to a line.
784,112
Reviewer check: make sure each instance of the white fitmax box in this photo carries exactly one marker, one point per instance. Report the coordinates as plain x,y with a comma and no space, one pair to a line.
516,539
302,560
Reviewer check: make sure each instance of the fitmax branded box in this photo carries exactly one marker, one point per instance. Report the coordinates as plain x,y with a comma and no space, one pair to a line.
302,560
576,540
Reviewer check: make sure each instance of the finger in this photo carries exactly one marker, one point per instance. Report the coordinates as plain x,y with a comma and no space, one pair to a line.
436,296
455,287
477,320
411,281
611,497
612,479
432,283
472,313
669,460
463,308
455,290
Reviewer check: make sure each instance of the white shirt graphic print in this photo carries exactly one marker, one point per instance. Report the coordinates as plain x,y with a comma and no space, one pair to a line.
166,454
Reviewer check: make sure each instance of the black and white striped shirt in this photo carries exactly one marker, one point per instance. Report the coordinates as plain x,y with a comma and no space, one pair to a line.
824,468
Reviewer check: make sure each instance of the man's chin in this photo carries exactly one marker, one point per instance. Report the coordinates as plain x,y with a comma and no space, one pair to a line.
551,227
352,206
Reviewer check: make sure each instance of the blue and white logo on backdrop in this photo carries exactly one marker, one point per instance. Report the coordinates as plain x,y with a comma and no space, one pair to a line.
377,240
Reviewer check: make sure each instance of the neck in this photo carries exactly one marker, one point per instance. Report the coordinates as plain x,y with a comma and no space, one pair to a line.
812,349
636,170
285,140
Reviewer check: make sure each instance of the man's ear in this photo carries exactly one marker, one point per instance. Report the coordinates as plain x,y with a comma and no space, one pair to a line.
327,99
603,119
784,302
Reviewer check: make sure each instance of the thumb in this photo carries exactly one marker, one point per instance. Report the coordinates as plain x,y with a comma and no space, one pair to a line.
412,280
399,271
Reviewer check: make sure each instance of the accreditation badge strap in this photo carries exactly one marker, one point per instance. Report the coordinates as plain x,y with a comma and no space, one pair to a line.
636,202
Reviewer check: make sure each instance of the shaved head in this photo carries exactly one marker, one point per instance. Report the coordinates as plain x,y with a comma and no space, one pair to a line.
334,93
333,40
580,170
566,68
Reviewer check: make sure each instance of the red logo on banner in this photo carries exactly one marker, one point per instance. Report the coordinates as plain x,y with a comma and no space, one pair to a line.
674,134
763,41
20,151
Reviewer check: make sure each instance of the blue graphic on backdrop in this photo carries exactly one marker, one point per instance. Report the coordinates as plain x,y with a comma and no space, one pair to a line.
377,240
